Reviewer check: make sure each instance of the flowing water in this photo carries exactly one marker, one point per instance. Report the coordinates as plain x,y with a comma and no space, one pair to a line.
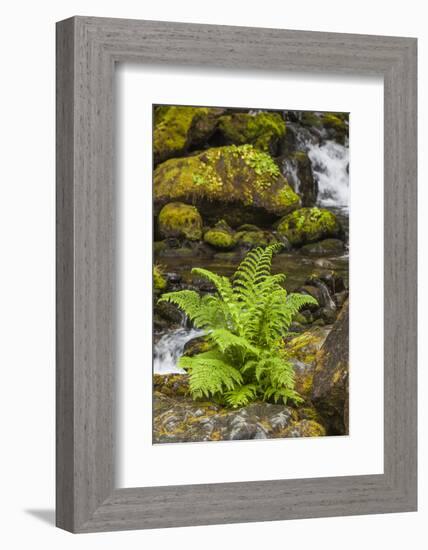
330,166
169,349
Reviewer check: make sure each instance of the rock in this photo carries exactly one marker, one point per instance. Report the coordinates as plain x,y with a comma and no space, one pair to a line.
177,129
304,428
179,419
252,239
299,173
336,125
264,130
327,247
302,351
330,384
308,225
340,298
239,184
166,314
180,220
196,345
159,281
220,236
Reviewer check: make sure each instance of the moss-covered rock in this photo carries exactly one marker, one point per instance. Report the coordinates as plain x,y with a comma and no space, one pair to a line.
220,236
330,393
240,184
159,281
253,239
177,219
304,428
264,130
177,129
308,225
327,247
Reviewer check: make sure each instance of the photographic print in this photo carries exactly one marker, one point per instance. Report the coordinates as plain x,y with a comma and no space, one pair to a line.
250,274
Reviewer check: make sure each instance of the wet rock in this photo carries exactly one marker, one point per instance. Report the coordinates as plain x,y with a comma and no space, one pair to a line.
330,385
304,428
297,169
263,130
307,225
327,247
340,298
177,219
220,236
179,419
237,184
179,129
196,345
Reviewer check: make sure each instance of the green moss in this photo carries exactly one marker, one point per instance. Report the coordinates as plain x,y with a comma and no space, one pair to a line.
332,120
252,239
263,130
229,174
176,128
220,236
309,225
180,220
159,281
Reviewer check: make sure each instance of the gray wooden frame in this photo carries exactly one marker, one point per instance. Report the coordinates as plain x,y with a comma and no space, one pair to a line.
87,50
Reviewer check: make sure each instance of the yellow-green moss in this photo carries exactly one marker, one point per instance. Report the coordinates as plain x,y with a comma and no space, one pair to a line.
238,174
177,127
219,238
263,130
309,225
180,220
252,239
159,281
334,121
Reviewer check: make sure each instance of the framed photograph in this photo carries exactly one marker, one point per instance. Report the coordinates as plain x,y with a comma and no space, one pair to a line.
236,274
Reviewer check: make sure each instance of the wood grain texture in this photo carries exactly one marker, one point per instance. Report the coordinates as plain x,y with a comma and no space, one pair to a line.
87,50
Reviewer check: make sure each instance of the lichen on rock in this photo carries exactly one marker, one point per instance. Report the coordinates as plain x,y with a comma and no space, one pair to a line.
177,219
307,225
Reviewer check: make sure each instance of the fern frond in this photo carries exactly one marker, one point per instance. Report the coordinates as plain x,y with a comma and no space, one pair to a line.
210,374
225,340
187,300
240,397
282,394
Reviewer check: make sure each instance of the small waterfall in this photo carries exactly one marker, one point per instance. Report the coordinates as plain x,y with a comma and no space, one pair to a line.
169,349
330,164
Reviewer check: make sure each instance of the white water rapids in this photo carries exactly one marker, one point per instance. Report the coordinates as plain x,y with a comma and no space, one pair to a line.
330,165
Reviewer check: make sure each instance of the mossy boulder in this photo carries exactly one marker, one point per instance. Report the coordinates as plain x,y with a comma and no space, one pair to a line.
177,129
264,130
307,225
330,394
220,236
327,247
254,238
177,219
159,281
237,183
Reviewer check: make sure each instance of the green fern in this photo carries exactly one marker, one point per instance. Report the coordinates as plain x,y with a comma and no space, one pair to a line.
245,322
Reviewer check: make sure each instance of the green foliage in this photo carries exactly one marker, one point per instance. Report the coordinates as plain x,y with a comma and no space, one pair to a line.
245,323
